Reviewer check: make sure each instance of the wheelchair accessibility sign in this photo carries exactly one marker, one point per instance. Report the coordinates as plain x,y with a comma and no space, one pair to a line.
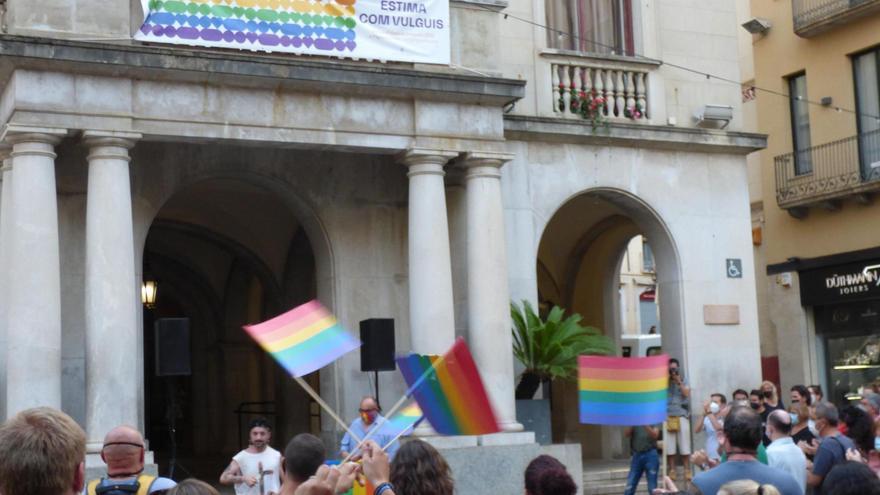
734,268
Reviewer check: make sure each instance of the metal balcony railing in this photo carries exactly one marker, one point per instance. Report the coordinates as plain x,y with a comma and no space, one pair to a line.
828,172
812,17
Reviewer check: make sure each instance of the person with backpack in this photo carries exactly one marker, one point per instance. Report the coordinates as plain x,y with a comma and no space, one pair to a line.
832,449
123,452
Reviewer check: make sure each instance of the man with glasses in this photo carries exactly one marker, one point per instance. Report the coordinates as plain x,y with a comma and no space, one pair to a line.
123,452
369,420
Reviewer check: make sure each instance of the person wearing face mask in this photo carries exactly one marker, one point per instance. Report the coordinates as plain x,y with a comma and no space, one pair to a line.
742,433
832,449
756,400
799,393
800,431
771,396
712,423
783,453
369,419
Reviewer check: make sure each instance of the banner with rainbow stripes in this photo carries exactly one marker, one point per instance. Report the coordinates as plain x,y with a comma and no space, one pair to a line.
385,30
304,339
451,395
623,391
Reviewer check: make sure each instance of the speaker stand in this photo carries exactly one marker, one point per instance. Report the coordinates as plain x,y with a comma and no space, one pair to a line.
376,375
172,422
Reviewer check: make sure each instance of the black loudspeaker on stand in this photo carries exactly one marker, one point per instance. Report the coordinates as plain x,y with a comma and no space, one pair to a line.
377,351
172,360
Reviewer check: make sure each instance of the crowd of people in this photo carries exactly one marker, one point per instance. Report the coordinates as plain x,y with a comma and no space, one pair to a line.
754,444
42,452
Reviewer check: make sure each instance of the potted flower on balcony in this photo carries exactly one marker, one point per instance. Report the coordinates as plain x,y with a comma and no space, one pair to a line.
634,112
588,104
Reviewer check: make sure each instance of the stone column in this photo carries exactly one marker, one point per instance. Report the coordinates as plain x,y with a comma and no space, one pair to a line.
33,297
111,300
431,320
488,293
5,210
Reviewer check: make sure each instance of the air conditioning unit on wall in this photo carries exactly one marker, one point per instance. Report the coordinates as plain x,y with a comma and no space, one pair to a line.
714,113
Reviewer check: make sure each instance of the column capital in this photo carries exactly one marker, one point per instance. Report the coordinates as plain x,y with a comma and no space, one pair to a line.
122,139
5,156
485,159
15,133
101,144
425,161
484,163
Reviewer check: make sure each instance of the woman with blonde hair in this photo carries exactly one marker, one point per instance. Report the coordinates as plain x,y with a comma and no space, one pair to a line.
771,396
747,487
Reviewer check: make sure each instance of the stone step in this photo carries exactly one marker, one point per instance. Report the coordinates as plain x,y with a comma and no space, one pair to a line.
606,474
615,488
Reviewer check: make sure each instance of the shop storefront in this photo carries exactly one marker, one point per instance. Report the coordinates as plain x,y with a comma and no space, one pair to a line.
846,307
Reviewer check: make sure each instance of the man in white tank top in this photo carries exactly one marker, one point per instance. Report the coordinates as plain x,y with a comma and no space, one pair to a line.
256,469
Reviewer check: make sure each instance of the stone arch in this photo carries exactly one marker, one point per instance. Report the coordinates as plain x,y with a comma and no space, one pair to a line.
153,192
295,199
580,244
648,219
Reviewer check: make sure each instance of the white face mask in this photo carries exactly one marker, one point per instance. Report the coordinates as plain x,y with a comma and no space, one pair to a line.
714,408
813,398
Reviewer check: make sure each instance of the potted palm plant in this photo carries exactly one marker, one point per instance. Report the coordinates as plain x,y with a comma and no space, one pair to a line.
548,348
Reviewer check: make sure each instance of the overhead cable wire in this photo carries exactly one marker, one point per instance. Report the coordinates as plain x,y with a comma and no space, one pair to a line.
703,73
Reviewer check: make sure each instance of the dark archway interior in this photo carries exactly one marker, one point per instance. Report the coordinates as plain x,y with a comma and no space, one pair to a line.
224,253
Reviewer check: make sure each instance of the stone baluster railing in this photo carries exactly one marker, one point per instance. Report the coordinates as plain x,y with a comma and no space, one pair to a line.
615,93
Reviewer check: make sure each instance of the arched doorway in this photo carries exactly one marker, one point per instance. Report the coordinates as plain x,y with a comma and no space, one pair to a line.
224,252
579,265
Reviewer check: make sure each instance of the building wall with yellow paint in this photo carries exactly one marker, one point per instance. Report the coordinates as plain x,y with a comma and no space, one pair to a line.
793,338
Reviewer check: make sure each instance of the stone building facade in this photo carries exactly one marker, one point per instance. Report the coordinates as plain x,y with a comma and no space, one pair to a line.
244,183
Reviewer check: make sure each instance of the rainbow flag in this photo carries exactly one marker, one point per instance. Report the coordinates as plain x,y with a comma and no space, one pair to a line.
452,397
303,340
366,488
623,391
409,417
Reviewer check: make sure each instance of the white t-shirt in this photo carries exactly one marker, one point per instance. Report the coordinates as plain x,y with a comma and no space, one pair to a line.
250,466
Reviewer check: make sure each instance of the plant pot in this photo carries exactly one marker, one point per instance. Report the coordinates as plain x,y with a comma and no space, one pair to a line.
527,387
534,415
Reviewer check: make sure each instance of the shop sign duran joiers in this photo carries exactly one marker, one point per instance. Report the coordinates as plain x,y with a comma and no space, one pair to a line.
385,30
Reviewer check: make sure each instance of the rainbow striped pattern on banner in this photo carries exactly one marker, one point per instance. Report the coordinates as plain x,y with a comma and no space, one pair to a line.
623,391
327,26
452,397
407,418
305,339
362,489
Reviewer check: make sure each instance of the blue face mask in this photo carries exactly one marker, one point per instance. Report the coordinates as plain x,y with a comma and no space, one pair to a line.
794,418
876,443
